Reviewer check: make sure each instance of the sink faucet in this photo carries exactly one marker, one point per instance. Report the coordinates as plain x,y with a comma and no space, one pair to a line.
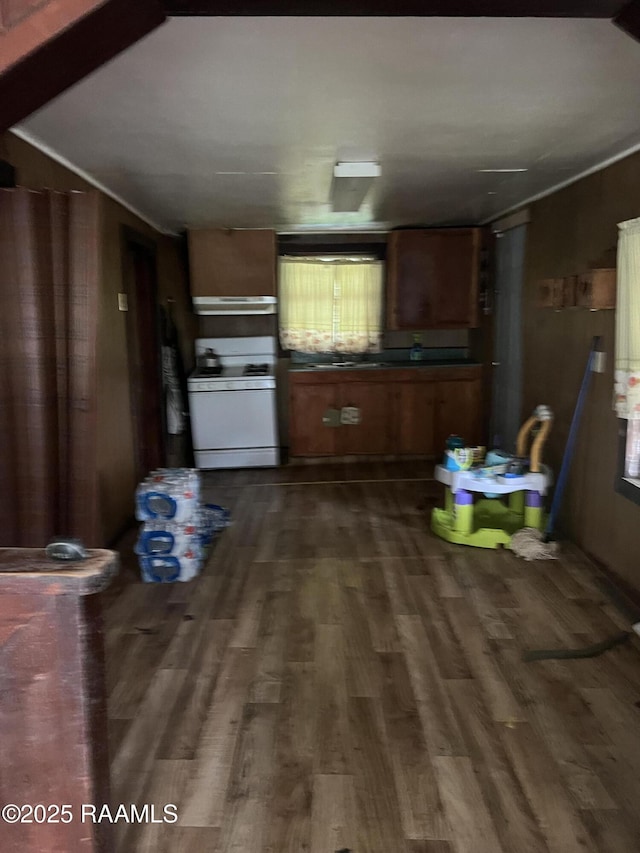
341,357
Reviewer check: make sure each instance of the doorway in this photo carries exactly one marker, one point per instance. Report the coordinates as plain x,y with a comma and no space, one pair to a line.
506,411
143,344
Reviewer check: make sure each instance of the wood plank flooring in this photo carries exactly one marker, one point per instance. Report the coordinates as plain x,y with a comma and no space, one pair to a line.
339,678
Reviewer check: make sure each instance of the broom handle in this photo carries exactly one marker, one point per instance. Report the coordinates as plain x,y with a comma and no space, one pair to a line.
571,441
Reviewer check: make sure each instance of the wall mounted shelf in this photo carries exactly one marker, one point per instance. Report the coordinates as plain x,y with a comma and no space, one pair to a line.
594,290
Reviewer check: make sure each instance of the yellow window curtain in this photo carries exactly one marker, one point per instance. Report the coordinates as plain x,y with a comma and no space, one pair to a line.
332,305
627,363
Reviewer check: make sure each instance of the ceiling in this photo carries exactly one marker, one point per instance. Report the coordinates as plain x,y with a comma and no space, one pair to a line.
238,122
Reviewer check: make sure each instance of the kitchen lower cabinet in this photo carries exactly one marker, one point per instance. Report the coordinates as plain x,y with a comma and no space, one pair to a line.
338,419
399,412
312,432
371,434
458,410
414,408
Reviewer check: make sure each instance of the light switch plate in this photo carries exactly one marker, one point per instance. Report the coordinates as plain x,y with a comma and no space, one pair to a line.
123,302
599,362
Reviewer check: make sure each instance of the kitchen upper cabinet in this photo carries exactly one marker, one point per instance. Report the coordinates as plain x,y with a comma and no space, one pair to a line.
432,278
232,262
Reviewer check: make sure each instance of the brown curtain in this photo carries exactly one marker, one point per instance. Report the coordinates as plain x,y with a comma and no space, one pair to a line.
49,276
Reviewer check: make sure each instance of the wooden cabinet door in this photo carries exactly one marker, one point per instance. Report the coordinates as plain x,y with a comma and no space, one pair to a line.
414,414
458,253
458,412
309,435
232,262
432,278
373,433
411,277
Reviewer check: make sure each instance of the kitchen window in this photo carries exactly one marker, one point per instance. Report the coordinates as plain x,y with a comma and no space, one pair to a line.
628,478
330,304
627,363
632,453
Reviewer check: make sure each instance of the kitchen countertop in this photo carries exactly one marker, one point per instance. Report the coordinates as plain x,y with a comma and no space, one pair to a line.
385,365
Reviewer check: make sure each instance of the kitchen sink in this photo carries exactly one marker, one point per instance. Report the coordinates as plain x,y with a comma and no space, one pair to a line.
344,364
372,364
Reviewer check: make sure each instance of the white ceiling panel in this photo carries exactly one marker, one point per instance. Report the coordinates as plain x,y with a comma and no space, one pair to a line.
239,121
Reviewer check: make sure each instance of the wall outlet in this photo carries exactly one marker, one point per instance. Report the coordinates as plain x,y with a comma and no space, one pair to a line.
599,362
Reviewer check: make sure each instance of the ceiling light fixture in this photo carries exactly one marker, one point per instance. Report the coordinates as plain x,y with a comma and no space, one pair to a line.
351,183
246,173
500,171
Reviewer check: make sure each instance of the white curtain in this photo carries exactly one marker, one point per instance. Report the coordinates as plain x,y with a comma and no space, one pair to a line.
332,305
627,362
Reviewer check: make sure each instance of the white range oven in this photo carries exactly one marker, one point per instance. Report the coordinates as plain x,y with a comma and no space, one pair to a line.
233,407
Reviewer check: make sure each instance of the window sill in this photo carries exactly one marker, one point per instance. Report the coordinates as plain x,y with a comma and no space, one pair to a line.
629,488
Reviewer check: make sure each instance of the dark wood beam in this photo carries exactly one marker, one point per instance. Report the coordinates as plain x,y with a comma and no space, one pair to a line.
628,19
54,44
400,8
7,175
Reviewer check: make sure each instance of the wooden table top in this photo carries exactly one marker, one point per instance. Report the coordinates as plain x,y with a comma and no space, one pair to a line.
29,570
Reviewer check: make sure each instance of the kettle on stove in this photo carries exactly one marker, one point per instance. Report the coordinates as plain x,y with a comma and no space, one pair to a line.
208,359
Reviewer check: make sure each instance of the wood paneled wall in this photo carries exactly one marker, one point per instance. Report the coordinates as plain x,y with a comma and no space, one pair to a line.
569,230
115,458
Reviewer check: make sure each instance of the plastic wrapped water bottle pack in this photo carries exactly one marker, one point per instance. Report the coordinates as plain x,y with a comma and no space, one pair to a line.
177,528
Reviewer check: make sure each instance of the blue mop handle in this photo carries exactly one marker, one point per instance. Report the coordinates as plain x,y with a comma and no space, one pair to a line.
571,441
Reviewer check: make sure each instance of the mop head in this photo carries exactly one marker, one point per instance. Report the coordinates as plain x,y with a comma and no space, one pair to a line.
527,543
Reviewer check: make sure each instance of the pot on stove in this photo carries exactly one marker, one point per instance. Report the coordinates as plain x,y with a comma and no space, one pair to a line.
208,360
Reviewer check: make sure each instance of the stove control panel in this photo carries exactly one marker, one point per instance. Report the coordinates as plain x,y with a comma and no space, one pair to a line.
234,385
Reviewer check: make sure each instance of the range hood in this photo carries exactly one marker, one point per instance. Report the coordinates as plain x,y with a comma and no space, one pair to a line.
228,305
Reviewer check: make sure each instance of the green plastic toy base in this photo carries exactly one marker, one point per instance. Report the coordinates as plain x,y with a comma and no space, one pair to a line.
493,525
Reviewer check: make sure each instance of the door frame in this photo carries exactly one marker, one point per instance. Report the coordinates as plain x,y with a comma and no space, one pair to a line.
132,241
507,360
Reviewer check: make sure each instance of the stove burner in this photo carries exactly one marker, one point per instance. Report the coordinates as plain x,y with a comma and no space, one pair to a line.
255,370
210,371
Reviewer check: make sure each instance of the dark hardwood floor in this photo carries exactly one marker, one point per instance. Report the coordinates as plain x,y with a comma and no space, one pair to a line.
339,678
